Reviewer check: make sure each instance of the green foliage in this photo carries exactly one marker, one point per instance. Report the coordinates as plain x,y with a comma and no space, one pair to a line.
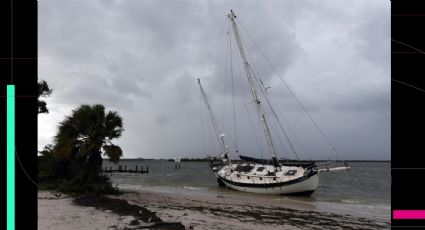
43,91
85,183
47,165
74,163
87,131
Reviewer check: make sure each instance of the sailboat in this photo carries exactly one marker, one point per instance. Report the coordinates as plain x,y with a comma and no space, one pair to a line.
260,175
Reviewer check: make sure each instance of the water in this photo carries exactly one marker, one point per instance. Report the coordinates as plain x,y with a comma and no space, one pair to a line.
364,190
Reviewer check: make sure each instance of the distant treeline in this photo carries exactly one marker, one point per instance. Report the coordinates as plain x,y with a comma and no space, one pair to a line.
238,160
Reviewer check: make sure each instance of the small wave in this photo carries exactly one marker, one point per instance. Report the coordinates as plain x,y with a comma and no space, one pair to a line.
130,186
191,188
350,201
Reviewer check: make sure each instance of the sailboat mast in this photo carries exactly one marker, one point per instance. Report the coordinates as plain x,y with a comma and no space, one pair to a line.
218,132
253,90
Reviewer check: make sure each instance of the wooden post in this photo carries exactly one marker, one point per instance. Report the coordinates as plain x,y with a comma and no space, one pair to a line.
125,168
147,168
136,168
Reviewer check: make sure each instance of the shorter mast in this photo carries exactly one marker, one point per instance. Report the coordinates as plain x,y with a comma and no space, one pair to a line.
254,91
219,133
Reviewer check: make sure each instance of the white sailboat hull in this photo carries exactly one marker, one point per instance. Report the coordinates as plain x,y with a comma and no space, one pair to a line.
306,186
258,178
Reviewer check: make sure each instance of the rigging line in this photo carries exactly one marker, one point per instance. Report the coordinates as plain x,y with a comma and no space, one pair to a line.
290,90
23,169
225,77
408,46
233,95
258,138
259,146
293,132
275,126
281,114
260,83
216,129
404,83
215,44
202,123
255,71
213,129
211,132
256,79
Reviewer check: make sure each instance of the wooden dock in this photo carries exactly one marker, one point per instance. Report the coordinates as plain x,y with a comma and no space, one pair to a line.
125,170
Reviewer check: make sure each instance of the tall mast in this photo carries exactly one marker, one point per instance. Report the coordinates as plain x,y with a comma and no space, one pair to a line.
260,113
219,133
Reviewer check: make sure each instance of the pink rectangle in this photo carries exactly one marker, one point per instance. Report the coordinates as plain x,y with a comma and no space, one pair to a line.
408,214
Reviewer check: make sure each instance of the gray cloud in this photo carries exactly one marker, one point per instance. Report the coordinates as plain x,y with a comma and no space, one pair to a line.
142,59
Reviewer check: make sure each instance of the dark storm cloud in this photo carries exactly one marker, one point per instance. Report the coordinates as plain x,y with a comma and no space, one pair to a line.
142,59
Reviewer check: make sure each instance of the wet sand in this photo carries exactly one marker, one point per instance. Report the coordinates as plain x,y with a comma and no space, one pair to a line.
151,209
201,211
62,212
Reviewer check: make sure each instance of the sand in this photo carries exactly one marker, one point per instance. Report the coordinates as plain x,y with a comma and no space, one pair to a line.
60,213
201,211
171,210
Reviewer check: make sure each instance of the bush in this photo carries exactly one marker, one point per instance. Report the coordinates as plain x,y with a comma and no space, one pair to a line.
88,184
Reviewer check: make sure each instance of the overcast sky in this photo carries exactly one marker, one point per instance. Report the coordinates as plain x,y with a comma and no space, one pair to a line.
142,57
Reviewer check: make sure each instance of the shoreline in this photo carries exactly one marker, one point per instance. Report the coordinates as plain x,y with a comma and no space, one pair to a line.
230,212
170,210
60,211
236,160
309,203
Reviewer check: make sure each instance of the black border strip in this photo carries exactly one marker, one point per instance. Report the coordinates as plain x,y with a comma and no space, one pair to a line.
407,113
18,66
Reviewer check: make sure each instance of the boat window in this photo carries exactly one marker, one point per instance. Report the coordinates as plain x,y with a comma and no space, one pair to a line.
260,169
244,168
290,173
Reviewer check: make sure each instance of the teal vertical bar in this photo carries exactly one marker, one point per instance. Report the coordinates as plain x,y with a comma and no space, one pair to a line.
10,157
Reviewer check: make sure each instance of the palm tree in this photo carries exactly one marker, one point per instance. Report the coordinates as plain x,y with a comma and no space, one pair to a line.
83,136
43,91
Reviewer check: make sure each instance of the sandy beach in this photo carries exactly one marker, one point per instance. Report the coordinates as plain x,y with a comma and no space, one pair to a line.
60,213
201,211
195,211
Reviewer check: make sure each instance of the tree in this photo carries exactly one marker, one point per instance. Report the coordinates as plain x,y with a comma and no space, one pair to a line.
48,167
47,151
83,135
81,139
43,91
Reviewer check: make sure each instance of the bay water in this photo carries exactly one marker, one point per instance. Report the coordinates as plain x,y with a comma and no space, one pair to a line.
364,190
